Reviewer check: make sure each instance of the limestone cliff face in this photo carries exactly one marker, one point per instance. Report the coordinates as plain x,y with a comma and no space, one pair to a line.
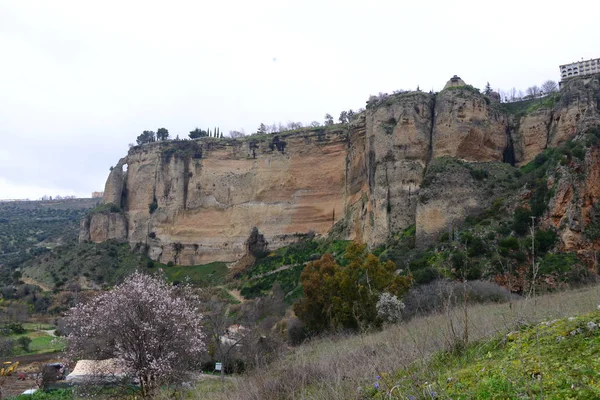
197,201
398,137
577,108
569,210
468,126
101,227
209,194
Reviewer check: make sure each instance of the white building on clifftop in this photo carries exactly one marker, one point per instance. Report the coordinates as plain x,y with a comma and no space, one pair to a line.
580,68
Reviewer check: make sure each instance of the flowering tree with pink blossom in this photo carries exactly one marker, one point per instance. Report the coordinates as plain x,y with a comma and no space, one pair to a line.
151,327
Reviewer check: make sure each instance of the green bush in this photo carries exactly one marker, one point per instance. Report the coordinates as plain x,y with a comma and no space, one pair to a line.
105,208
479,174
153,206
510,242
544,240
521,221
425,275
476,247
24,342
592,230
16,328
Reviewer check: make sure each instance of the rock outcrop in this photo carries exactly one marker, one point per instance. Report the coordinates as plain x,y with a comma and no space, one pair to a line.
198,201
558,118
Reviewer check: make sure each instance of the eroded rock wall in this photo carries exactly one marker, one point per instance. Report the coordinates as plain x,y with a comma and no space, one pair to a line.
197,201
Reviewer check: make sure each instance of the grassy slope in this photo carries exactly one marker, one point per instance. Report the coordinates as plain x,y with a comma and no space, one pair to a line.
553,359
109,263
28,228
284,266
346,367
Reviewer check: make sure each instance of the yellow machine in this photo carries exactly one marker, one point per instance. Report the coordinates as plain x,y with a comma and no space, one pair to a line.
8,368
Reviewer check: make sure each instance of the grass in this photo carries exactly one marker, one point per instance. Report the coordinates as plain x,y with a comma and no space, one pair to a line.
553,359
260,278
346,366
213,274
41,343
36,326
62,394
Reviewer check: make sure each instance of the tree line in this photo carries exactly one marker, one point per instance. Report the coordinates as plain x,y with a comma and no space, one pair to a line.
162,134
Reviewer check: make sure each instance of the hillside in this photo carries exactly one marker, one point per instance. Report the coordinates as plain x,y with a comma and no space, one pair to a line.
29,228
514,350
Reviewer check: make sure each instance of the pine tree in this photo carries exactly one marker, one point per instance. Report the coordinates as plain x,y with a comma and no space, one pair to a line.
488,89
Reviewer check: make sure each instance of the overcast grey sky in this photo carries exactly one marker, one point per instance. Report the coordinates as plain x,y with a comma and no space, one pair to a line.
79,80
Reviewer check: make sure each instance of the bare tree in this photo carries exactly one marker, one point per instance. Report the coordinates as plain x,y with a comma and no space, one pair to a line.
533,91
328,119
549,87
150,326
343,117
315,124
219,323
513,94
236,134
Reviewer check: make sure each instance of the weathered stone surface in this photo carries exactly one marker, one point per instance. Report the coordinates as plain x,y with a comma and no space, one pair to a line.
576,110
449,196
397,146
113,189
467,127
211,193
101,227
362,181
532,136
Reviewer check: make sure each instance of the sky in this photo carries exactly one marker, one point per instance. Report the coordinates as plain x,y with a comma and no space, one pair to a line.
80,80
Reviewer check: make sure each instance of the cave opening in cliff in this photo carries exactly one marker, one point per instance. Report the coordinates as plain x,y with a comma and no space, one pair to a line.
508,155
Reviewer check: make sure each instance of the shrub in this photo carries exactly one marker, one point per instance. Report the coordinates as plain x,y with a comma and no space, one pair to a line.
346,297
479,174
510,242
16,328
476,247
458,259
438,295
296,331
389,308
544,240
522,219
7,347
425,275
24,342
592,230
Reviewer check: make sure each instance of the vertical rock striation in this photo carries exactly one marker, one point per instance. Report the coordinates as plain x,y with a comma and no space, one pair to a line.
197,201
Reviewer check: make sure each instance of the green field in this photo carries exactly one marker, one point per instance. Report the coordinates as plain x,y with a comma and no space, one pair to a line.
212,274
41,342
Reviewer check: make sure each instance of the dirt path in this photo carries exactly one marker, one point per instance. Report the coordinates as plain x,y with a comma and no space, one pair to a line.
237,294
282,268
233,293
30,281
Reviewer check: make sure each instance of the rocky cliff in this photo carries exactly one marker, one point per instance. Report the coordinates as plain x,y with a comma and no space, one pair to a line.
197,201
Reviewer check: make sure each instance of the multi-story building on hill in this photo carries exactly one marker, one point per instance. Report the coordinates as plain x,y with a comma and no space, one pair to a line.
97,195
580,68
